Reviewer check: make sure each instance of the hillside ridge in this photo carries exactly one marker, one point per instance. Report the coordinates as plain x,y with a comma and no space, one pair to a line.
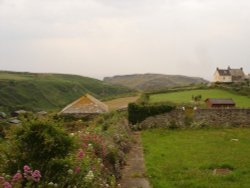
151,81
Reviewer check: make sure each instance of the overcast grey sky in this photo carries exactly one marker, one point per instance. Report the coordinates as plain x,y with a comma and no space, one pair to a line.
99,38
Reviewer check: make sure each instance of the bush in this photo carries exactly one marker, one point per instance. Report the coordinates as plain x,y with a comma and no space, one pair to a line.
39,144
137,112
144,99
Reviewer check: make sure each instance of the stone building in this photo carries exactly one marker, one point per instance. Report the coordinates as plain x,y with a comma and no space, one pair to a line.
229,75
84,106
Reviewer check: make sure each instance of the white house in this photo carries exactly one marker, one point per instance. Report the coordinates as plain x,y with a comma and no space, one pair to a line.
229,75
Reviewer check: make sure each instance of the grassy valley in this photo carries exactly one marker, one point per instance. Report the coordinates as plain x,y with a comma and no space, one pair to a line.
36,92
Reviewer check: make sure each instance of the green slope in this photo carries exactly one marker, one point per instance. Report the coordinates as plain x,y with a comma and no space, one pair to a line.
49,91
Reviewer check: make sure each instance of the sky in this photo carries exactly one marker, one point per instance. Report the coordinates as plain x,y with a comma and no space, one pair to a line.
99,38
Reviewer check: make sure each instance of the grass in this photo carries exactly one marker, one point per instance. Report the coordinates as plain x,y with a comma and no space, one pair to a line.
186,96
120,102
186,158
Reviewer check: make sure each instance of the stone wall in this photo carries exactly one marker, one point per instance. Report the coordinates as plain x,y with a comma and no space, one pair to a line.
231,117
199,118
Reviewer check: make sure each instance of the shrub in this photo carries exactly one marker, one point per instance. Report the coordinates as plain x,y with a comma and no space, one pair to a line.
39,144
144,99
137,112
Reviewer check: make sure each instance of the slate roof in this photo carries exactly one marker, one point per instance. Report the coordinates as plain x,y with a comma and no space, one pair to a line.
220,101
237,72
231,72
85,105
224,72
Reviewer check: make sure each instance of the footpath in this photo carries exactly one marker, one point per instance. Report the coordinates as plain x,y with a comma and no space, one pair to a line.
133,174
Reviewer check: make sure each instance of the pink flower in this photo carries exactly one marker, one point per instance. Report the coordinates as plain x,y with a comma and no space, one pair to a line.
77,170
7,185
80,154
26,168
1,179
17,176
36,175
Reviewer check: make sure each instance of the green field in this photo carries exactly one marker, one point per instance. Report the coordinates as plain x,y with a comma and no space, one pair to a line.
187,158
186,96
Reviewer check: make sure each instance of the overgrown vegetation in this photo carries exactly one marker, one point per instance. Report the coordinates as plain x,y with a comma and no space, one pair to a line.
40,144
187,158
89,157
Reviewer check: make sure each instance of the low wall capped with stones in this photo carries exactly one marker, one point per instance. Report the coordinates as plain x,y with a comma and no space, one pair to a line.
231,117
234,117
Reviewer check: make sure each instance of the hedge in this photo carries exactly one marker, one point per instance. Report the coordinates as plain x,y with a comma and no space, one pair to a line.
139,112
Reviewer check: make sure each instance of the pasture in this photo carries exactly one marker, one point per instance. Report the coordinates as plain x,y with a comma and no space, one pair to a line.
187,158
120,103
186,96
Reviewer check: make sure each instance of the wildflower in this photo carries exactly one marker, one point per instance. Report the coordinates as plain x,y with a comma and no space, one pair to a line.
7,176
1,179
90,147
7,185
17,176
70,171
50,184
90,176
26,168
77,170
80,154
36,175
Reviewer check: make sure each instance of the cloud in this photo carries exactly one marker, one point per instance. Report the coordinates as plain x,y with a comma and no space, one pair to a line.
166,36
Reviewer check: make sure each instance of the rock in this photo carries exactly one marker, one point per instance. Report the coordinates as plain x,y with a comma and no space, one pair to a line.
2,115
14,121
221,171
42,113
18,112
235,140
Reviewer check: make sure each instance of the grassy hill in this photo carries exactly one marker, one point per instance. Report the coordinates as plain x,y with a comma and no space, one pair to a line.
152,82
186,96
35,92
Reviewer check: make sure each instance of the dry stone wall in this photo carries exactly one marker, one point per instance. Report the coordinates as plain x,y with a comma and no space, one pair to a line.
217,117
201,117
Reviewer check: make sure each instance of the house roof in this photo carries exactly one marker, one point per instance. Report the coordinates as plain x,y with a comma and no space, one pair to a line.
224,72
237,72
220,101
86,104
231,72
